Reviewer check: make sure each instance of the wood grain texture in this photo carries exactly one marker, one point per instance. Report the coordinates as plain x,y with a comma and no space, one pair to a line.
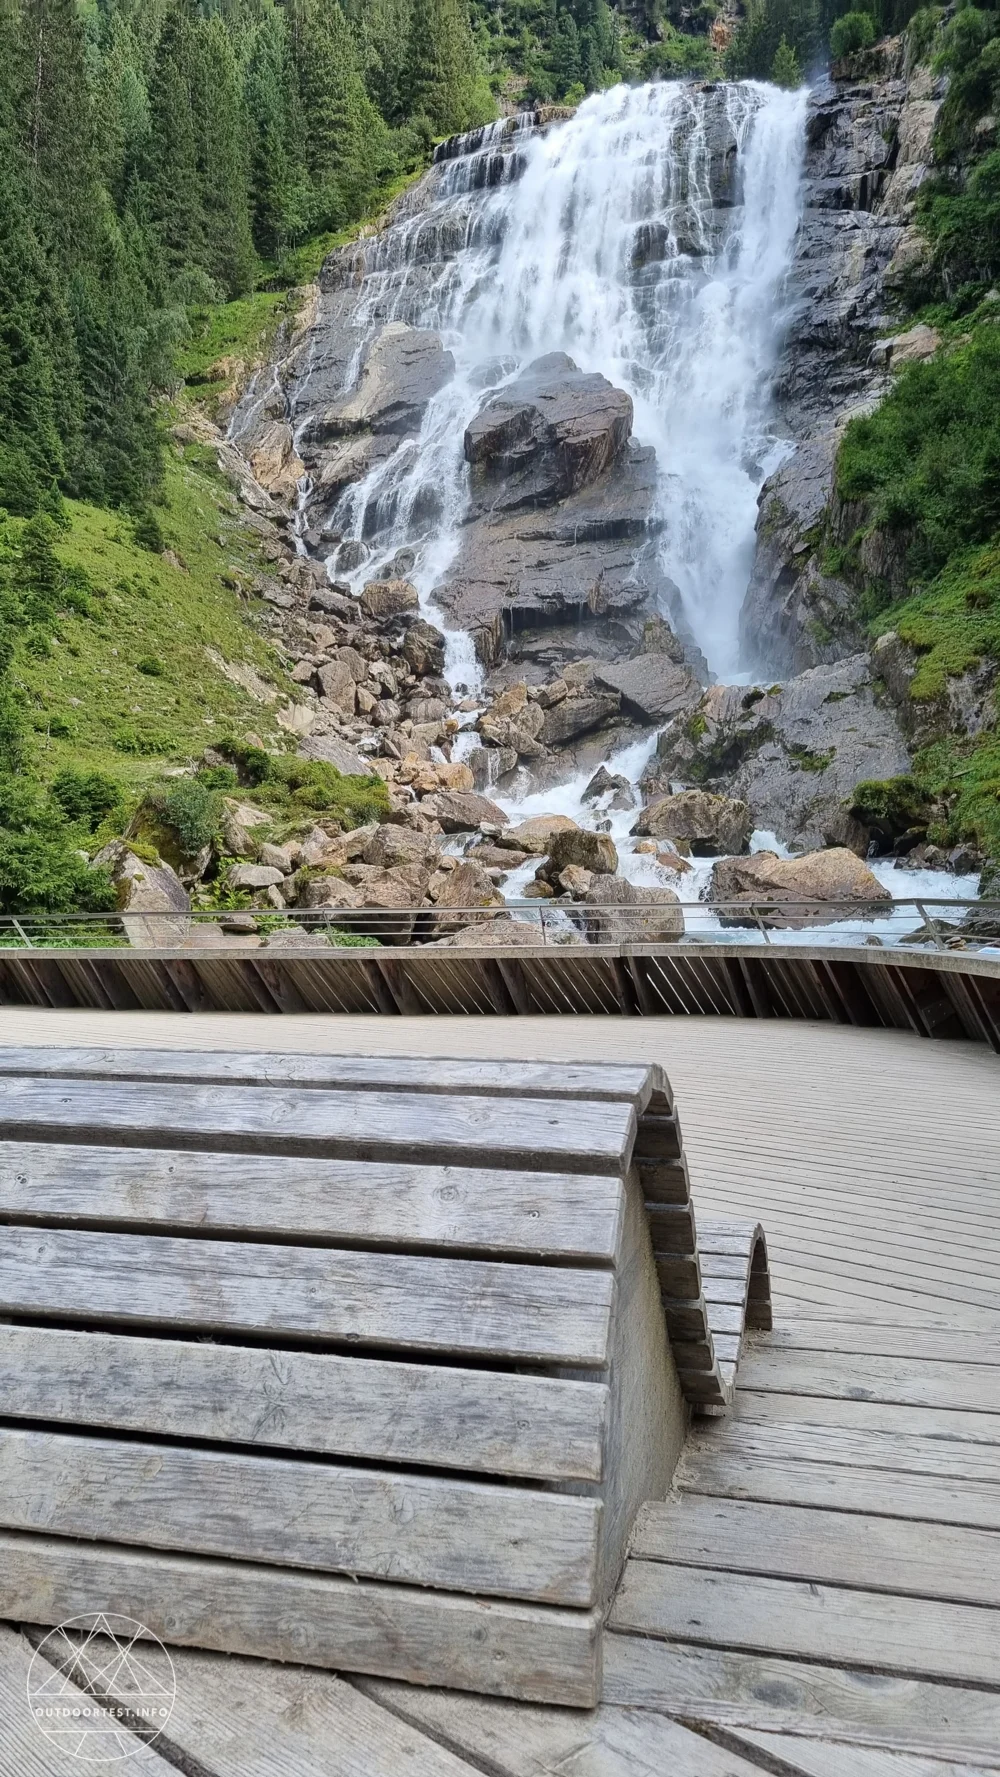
483,1209
416,1529
637,1082
898,1453
876,1631
818,1759
810,1698
514,1740
556,1135
518,1312
888,1379
837,1548
234,1717
836,1488
354,1626
25,1751
487,1421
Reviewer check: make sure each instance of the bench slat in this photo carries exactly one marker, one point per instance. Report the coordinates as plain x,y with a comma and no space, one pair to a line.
555,1315
536,1652
420,1530
546,1134
517,1079
569,1215
537,1427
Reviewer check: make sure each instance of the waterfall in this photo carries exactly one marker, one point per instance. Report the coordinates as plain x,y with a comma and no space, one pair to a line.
649,237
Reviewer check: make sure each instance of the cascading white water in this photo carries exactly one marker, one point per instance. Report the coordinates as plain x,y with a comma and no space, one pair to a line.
614,243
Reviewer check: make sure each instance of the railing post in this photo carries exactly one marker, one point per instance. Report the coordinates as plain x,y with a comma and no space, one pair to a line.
19,929
930,923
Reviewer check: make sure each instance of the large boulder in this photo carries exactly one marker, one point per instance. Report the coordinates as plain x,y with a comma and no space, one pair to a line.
836,879
391,846
424,649
582,563
793,752
536,834
500,932
653,688
461,811
465,888
589,851
386,599
574,716
346,759
711,825
150,895
549,433
621,912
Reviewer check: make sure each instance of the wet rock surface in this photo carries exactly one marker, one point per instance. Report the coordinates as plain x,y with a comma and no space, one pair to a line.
791,752
869,149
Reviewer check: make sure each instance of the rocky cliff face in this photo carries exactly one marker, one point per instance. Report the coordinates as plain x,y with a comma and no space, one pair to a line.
869,137
553,568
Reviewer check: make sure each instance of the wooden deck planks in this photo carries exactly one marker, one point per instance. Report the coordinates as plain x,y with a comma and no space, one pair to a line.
25,1751
879,1219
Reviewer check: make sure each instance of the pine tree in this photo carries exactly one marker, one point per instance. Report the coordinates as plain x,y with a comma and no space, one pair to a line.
383,29
566,53
346,141
445,82
173,194
222,160
785,70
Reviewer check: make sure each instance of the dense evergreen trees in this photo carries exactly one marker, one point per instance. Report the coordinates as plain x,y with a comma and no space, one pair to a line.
157,153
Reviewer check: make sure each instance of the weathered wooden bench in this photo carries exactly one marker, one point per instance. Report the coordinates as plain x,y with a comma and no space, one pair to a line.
364,1363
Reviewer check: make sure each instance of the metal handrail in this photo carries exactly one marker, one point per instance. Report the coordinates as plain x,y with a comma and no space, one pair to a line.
973,924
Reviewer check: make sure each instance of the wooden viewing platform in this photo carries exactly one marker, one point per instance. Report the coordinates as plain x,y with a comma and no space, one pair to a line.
819,1594
936,993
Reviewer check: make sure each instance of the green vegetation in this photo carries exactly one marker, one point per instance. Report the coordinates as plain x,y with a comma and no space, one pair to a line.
923,471
851,32
926,463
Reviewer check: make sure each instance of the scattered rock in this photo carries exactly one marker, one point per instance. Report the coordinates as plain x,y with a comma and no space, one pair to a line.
831,876
653,688
385,599
622,912
712,825
590,851
461,811
152,895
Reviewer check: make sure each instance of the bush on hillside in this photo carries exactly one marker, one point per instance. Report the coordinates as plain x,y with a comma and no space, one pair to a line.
854,31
